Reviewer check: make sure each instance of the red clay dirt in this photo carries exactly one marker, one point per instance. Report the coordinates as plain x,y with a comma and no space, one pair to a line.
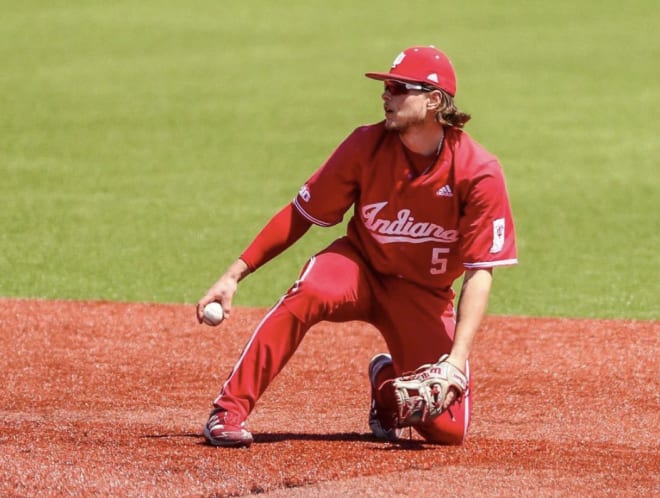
109,399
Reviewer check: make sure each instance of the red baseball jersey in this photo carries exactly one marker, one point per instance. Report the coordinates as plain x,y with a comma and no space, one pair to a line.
425,228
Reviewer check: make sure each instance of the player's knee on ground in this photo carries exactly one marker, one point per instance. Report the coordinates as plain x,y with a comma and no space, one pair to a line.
449,428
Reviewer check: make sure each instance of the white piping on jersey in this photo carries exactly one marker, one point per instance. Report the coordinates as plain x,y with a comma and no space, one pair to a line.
309,217
490,264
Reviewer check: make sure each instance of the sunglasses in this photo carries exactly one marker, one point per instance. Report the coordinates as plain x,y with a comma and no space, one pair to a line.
402,88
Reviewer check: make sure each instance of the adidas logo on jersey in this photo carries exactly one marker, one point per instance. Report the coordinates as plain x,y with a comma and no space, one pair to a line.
444,192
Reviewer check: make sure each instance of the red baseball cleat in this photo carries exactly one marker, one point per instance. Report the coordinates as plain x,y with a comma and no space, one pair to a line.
226,429
382,422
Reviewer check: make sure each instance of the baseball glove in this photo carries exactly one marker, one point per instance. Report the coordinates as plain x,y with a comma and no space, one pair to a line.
421,394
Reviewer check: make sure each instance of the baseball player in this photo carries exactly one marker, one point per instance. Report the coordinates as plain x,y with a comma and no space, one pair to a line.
429,204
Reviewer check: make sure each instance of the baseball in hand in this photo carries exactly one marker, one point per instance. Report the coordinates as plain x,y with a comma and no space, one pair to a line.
213,314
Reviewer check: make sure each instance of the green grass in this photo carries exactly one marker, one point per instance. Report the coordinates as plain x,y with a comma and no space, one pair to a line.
143,144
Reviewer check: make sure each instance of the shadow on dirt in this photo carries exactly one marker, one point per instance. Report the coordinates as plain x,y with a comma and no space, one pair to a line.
280,437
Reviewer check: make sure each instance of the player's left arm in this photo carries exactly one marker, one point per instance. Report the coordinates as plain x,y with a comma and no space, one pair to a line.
472,306
487,241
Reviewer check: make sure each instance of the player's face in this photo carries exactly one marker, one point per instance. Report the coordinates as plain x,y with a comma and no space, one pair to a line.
405,105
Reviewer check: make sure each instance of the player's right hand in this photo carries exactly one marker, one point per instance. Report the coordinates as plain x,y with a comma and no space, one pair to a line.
223,292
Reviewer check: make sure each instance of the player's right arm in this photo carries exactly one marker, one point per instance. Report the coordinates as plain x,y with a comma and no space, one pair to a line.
281,232
323,200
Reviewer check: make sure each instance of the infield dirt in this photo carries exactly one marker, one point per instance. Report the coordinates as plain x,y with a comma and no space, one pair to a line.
104,398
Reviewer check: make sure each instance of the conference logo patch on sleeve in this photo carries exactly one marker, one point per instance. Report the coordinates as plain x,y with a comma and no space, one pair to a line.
304,193
498,235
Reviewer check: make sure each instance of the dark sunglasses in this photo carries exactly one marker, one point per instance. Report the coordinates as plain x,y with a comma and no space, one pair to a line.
402,88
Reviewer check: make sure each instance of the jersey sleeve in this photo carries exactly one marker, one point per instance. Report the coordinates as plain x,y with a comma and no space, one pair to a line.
333,188
281,232
488,236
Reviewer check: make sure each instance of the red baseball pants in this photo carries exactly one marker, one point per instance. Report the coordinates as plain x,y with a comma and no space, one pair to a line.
337,285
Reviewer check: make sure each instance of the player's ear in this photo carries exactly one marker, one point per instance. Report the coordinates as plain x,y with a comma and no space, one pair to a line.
434,101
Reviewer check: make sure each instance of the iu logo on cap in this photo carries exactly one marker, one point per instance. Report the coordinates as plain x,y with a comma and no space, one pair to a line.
398,60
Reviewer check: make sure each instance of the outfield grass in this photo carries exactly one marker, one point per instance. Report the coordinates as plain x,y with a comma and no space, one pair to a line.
143,144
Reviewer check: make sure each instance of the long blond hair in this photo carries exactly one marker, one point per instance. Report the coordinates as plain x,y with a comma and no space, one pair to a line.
448,114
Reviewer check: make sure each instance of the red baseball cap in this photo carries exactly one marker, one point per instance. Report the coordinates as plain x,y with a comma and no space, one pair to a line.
426,65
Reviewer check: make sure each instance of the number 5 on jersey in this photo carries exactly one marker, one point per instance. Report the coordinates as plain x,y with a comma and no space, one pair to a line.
439,264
